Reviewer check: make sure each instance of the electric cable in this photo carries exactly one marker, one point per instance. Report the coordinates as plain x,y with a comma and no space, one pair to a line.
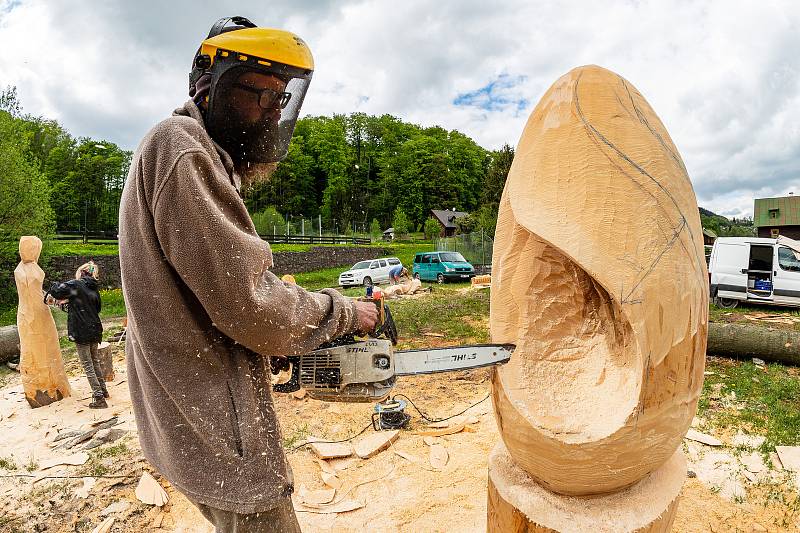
426,417
395,417
68,477
332,441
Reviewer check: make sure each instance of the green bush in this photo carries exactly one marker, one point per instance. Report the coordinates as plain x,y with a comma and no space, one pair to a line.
268,221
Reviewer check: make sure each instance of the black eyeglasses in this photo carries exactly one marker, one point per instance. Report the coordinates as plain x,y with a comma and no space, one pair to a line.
267,98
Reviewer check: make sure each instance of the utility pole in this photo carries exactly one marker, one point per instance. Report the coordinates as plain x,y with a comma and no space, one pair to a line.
85,230
483,252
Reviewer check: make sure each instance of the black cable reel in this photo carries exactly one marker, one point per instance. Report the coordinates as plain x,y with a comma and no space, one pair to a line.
389,414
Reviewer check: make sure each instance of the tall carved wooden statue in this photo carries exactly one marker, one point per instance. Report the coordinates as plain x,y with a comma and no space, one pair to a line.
41,366
599,278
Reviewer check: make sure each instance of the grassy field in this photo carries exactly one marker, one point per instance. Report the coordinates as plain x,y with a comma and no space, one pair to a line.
743,311
458,315
739,395
62,248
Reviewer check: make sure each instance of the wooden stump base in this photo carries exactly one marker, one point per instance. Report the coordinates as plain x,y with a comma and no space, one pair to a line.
106,361
41,398
518,504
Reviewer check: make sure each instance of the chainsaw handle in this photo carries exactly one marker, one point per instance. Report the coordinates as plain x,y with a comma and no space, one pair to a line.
294,381
387,325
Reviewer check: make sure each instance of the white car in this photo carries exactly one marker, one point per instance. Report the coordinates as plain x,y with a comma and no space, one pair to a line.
370,272
758,270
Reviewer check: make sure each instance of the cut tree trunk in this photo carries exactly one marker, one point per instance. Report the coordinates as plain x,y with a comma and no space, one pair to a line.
517,504
9,343
745,340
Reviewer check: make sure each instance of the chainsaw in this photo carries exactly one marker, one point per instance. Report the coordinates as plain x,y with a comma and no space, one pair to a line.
349,369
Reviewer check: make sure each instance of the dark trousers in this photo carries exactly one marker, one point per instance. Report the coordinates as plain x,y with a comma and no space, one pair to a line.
90,360
279,519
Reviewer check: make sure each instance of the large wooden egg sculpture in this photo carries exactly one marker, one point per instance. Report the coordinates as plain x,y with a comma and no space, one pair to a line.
599,278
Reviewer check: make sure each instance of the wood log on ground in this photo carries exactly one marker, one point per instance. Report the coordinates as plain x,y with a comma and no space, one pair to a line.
518,504
745,340
599,278
9,343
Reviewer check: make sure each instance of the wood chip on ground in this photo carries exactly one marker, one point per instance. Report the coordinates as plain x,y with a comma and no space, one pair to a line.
444,431
438,456
703,438
331,450
149,491
375,443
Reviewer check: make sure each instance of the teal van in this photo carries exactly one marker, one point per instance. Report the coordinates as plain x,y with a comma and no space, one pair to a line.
441,267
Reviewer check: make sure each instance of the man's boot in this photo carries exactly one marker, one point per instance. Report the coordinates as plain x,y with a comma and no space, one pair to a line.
98,402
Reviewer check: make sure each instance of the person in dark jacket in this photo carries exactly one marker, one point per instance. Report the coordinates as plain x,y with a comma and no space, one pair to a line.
83,304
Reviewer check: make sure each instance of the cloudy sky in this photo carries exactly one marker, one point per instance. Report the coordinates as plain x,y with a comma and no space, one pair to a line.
724,76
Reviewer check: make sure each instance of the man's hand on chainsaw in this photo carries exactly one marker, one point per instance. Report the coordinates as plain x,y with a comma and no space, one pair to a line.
367,316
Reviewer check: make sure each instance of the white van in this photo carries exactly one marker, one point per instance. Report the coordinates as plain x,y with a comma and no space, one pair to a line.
751,269
368,272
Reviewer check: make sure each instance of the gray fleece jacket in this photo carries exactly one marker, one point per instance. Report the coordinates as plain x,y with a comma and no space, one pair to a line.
204,315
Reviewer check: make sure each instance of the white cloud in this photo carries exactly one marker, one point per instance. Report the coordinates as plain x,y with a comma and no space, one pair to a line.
723,76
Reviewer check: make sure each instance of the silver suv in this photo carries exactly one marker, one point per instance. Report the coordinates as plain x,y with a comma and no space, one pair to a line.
369,272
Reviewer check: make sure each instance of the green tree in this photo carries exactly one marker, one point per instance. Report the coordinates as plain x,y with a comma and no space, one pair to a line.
496,175
466,224
291,188
724,227
486,217
432,228
87,178
375,229
24,197
400,222
9,102
355,168
493,185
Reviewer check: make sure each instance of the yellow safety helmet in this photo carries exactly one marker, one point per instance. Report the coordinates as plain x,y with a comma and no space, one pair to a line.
228,53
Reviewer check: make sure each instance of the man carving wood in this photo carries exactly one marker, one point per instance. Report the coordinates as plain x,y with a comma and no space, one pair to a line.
205,313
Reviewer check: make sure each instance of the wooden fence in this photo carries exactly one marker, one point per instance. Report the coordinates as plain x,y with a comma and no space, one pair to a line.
315,239
274,239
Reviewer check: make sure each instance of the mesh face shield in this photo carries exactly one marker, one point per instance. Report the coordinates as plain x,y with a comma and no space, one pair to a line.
253,107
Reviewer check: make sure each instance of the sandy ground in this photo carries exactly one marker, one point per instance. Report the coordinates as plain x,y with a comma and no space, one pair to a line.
397,494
